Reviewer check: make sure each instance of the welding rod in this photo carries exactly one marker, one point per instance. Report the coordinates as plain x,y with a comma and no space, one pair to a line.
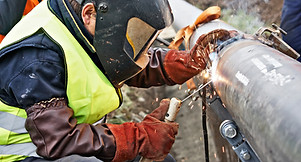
200,88
175,104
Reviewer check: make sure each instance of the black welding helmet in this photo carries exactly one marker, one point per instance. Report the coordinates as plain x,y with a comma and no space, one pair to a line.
124,31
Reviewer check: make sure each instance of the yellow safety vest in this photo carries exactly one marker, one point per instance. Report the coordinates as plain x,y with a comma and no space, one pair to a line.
90,94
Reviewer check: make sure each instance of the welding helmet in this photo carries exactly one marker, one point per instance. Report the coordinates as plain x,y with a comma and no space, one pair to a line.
124,31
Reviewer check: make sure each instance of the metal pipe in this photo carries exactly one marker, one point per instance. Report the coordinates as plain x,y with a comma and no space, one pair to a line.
260,87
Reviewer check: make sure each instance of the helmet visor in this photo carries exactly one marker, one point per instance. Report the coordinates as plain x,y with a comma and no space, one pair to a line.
139,36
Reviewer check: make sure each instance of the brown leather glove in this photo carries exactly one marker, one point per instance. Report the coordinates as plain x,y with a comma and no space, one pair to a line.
183,65
180,66
152,138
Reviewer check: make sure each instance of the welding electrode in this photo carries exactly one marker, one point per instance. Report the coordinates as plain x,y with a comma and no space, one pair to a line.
175,104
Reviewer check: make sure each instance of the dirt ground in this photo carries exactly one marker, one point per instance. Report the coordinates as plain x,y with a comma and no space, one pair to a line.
189,145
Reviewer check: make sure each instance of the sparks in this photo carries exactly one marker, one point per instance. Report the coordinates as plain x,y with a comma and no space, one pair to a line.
191,107
206,75
224,105
203,107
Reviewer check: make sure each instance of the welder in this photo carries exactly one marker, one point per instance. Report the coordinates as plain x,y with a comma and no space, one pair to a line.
62,67
11,11
291,23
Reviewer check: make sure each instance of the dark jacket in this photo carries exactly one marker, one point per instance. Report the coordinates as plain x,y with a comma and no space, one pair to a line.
291,23
11,11
33,70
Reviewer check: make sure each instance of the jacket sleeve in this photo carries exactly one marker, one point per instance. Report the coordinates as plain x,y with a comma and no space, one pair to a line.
56,133
11,11
291,23
153,74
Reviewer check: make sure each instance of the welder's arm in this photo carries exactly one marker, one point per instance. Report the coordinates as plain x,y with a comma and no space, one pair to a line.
176,67
11,11
168,67
153,74
56,134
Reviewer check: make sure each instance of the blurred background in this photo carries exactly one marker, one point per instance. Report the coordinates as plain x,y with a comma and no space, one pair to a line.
245,15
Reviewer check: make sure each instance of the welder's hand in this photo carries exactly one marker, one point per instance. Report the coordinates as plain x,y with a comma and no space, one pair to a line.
183,65
207,43
152,138
180,66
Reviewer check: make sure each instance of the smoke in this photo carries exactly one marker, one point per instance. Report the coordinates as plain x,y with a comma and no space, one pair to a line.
243,15
240,19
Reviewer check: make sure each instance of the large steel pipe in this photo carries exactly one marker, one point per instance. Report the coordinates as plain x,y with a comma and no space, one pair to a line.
260,87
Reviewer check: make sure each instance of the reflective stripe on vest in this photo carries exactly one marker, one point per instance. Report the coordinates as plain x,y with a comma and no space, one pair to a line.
17,126
15,142
90,94
26,149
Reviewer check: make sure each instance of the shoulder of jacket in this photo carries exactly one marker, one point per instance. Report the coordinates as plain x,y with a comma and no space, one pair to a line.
36,41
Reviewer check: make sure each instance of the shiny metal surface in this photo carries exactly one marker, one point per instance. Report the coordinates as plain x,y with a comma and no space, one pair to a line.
260,87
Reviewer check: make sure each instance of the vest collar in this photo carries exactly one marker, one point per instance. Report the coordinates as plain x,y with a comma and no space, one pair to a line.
63,10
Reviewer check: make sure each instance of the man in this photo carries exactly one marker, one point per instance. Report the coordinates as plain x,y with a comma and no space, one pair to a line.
61,69
291,23
11,11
